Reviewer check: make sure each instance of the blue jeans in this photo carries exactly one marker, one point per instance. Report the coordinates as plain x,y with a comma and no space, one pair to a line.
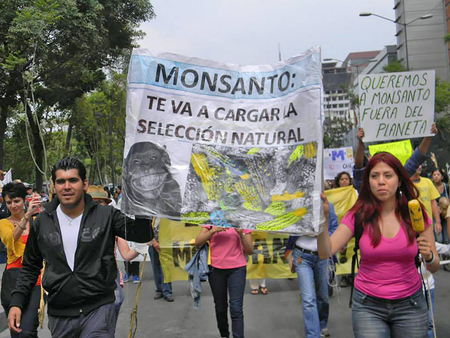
162,288
382,318
431,308
313,283
118,293
230,282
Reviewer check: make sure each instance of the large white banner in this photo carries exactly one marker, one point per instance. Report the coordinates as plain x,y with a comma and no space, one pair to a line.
224,144
396,106
337,160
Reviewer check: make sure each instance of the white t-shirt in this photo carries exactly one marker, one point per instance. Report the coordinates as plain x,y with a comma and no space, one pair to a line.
308,243
70,227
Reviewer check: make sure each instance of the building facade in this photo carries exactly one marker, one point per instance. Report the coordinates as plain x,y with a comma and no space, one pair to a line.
420,43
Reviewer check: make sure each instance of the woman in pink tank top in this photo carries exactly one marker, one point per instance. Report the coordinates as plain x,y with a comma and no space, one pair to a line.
229,247
388,299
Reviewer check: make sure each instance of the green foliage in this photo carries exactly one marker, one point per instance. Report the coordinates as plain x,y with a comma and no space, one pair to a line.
334,132
54,51
447,38
395,67
92,114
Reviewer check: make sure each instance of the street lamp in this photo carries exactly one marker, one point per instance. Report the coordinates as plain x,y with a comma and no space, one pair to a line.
404,24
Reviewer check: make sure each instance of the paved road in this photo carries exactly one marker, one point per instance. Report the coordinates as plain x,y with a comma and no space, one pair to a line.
277,314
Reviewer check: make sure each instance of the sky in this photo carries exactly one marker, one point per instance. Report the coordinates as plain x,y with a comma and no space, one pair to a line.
250,31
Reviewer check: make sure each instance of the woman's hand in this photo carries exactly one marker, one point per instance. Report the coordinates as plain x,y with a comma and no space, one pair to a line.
217,229
424,248
326,204
360,135
33,206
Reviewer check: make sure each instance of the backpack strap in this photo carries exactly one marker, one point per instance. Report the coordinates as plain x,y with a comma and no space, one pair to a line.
358,234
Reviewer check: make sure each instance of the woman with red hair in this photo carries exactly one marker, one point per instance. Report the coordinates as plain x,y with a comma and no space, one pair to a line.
388,299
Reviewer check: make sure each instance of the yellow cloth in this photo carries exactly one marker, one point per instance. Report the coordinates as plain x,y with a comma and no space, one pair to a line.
428,193
14,249
343,199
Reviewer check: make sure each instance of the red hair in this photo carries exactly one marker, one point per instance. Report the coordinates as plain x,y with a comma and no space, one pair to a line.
367,209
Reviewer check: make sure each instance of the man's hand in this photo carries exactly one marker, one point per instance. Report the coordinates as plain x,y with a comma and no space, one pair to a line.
156,245
438,227
15,314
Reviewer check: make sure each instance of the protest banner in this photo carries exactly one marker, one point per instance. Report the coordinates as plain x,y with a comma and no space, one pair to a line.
224,144
177,249
396,106
400,149
336,160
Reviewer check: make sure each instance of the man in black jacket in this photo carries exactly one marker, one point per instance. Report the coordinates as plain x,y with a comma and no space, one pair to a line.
75,236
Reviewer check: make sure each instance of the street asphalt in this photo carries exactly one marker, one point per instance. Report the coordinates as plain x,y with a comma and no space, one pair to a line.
278,314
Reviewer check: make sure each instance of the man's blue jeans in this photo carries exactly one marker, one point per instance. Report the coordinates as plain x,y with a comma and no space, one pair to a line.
161,288
230,282
313,283
382,318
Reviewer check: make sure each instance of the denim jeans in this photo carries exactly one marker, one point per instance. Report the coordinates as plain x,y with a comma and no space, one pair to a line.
382,318
313,283
230,282
119,294
162,288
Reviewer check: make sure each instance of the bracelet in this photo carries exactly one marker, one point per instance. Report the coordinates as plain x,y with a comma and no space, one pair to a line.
432,259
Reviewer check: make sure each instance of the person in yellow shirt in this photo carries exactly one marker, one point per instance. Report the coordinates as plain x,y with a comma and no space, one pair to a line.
428,195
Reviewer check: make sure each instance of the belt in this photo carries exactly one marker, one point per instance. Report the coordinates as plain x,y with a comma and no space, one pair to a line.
314,253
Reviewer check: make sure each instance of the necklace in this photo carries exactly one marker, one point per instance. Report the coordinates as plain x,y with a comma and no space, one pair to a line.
69,218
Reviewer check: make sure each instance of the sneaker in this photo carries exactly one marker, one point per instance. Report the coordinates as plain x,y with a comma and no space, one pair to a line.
158,296
135,279
126,278
169,299
324,333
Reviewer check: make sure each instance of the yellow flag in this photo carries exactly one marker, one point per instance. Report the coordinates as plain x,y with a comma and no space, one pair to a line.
343,199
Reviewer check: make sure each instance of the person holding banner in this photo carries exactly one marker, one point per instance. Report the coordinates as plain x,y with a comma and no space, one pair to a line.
313,280
229,247
75,236
418,157
388,300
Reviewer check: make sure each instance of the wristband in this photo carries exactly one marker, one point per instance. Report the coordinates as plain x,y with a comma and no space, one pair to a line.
432,259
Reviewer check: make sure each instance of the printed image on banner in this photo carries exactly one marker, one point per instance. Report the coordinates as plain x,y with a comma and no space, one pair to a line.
396,106
224,144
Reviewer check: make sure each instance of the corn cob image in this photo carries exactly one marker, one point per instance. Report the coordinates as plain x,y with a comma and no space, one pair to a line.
283,221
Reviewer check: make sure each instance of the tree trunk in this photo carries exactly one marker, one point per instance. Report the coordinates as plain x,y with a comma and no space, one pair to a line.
38,148
69,135
3,116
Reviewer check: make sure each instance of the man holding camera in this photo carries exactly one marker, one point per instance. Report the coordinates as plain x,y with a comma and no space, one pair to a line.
75,236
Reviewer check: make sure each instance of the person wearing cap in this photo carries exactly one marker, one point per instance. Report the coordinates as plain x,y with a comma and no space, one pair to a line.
100,196
76,237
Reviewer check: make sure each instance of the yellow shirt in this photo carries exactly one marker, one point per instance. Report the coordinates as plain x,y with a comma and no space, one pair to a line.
14,249
428,193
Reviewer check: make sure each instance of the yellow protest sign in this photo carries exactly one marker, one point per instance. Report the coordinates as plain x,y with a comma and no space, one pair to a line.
177,249
401,149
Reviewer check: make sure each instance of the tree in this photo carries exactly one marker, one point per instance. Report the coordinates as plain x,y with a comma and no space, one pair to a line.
334,132
99,125
394,67
53,51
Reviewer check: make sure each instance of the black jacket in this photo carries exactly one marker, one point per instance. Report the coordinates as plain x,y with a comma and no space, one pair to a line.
92,282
